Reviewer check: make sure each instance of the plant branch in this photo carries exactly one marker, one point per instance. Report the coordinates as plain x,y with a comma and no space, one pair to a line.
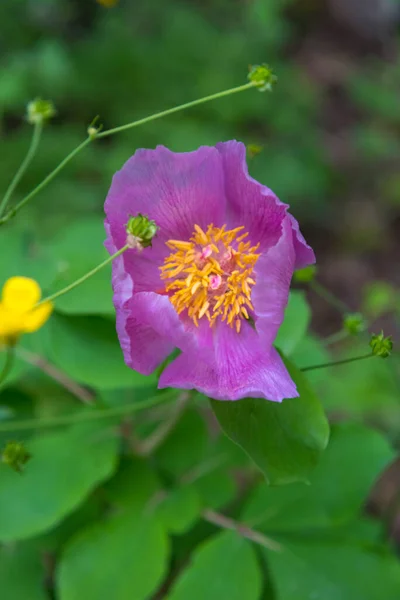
74,284
62,378
338,362
254,536
90,415
327,295
11,213
37,131
8,364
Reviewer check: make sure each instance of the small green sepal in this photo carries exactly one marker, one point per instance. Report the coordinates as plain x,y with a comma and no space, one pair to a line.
141,231
262,77
39,111
15,455
354,323
381,346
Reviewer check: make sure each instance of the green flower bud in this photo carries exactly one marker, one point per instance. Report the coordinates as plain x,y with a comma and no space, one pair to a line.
140,230
305,275
381,346
93,130
254,149
263,77
39,111
354,323
15,455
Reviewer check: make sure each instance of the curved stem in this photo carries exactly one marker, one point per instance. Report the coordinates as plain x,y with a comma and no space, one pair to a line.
37,131
74,284
327,295
170,111
11,213
89,415
8,364
338,362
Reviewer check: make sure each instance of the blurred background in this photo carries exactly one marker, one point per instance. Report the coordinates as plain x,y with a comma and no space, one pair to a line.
326,141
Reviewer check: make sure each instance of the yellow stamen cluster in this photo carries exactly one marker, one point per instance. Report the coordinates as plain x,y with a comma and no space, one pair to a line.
211,275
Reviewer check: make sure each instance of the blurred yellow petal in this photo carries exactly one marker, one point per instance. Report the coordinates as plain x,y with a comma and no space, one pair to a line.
20,294
10,322
37,317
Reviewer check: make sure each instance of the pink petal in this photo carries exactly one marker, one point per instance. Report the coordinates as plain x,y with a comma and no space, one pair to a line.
236,366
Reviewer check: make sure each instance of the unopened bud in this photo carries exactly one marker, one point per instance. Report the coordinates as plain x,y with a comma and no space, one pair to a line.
15,455
305,275
263,77
140,230
381,346
93,130
354,323
254,149
39,111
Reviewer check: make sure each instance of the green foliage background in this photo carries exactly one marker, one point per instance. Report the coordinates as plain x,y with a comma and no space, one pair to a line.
103,510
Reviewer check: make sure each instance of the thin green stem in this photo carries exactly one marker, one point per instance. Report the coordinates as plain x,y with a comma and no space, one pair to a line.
11,213
89,415
74,284
37,131
329,297
338,362
338,336
8,364
170,111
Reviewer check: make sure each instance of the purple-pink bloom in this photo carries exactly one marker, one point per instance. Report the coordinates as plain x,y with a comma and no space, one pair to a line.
216,280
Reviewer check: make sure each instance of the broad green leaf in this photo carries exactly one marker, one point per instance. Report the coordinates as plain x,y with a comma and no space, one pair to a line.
80,248
87,349
65,466
333,571
216,489
123,558
224,566
354,459
180,509
21,573
185,447
285,439
295,323
134,485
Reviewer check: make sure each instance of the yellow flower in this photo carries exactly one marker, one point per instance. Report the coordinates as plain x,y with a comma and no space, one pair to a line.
18,314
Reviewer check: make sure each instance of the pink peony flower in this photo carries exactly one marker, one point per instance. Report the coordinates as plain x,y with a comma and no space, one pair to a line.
215,282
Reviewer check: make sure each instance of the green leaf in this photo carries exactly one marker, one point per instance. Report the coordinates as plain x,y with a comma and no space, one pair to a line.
124,557
64,468
216,489
332,571
295,324
134,485
180,509
21,573
352,462
87,349
80,248
185,446
224,566
285,439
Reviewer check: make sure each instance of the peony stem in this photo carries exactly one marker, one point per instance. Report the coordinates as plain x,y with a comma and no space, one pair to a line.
8,364
37,131
322,291
82,279
170,111
12,212
338,362
89,415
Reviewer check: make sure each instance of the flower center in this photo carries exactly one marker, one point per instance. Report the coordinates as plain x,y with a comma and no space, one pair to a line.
212,275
